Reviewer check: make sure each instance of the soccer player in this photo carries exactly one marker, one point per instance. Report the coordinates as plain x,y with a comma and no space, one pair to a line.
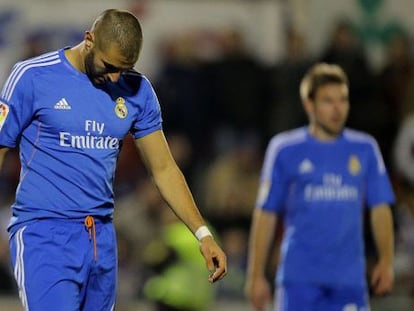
68,112
319,178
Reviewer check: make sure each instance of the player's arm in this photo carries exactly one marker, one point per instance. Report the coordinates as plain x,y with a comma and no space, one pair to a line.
261,234
173,187
382,278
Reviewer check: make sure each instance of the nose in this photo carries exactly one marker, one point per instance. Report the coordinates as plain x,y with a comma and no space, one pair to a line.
114,77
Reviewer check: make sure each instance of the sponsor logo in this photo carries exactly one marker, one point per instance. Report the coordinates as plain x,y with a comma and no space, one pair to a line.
332,189
94,138
88,141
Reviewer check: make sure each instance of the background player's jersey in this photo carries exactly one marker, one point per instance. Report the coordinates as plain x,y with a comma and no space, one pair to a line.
69,133
320,188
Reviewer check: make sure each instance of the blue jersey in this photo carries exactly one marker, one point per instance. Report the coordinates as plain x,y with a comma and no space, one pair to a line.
321,188
69,133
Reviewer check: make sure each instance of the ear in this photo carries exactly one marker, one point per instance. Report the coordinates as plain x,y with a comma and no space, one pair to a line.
308,106
89,40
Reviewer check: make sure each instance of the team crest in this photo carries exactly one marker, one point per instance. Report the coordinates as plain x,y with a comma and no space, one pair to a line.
121,109
354,166
4,110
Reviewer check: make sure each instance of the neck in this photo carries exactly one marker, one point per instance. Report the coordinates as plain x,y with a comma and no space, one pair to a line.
321,133
76,56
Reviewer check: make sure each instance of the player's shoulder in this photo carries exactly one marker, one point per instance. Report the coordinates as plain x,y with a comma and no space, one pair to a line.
359,137
25,72
37,63
288,139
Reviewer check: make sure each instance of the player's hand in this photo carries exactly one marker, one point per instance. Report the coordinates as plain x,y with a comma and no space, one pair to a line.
215,258
382,279
258,292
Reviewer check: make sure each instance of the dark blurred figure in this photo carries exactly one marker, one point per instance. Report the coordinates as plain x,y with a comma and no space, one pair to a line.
230,181
403,162
182,148
180,91
7,284
237,87
9,177
286,108
130,169
394,81
345,50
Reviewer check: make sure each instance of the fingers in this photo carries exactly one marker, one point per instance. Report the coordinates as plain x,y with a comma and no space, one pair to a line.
210,263
382,287
258,293
215,258
259,303
220,268
381,283
374,278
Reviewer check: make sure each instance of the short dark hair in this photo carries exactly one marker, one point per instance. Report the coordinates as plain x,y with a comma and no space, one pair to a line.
119,27
318,75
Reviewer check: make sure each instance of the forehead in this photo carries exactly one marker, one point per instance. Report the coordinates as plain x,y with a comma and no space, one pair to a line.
332,89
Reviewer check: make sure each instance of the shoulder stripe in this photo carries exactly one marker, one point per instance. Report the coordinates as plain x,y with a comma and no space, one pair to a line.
362,137
278,143
20,68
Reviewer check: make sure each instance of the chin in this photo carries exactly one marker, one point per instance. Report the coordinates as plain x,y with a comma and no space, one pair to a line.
333,130
337,131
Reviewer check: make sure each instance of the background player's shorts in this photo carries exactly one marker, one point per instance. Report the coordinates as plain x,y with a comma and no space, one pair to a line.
299,297
56,269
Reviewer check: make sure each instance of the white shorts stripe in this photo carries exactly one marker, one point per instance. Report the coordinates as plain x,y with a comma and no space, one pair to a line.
19,267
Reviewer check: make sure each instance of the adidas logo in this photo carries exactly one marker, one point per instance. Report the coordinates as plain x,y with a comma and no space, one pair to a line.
62,105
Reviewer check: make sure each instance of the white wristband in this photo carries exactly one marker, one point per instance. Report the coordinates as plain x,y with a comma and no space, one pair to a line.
202,232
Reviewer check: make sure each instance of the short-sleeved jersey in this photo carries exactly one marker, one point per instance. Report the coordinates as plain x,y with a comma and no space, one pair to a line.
69,133
320,189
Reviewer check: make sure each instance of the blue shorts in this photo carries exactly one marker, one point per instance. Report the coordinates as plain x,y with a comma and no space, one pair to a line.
299,297
58,266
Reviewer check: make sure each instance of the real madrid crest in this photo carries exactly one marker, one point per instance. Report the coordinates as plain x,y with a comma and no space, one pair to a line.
121,109
354,166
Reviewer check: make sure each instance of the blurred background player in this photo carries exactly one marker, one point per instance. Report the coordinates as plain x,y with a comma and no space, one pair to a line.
318,179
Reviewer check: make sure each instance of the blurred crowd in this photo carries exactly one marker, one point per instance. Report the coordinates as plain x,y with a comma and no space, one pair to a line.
220,106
